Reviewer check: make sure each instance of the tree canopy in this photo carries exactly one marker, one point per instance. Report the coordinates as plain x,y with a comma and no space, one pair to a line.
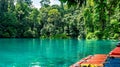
91,19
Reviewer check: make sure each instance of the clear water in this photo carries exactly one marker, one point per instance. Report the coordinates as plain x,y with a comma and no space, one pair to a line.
49,53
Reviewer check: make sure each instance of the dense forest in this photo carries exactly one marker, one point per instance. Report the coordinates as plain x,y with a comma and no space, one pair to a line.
86,19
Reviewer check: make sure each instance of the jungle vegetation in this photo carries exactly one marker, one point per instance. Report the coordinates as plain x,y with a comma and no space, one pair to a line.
83,19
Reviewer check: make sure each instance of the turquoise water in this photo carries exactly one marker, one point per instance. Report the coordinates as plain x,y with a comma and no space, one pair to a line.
49,53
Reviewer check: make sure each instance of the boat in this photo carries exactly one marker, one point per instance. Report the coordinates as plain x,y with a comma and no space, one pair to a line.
101,60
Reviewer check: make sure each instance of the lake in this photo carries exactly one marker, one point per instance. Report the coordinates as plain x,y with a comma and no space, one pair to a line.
49,52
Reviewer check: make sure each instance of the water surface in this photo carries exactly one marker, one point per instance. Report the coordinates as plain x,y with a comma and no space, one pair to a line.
49,53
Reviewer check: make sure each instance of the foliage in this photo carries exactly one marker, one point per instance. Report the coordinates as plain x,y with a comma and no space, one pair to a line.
62,36
29,34
91,19
116,36
91,36
6,35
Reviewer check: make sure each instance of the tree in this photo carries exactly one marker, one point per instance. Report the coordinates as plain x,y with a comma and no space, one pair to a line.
29,2
22,12
54,21
74,2
92,19
45,3
34,21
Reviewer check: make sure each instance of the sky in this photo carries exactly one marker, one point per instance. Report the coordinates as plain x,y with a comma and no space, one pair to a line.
36,3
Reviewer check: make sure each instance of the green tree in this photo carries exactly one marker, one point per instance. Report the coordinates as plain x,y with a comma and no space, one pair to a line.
45,3
28,2
54,20
22,12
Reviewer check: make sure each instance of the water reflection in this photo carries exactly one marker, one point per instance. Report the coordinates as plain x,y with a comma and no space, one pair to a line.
49,53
